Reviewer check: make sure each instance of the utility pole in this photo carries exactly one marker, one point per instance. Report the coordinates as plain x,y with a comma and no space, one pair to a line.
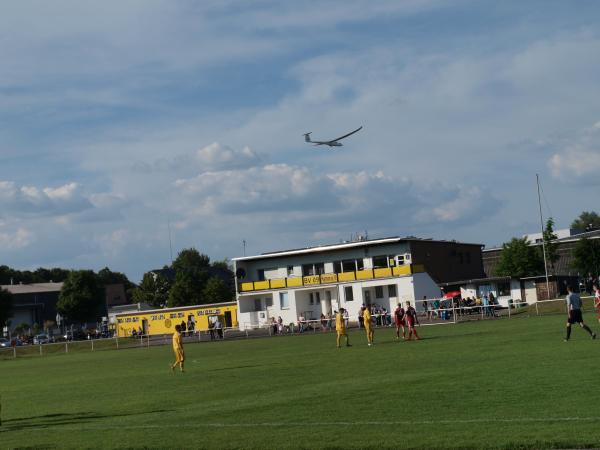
537,177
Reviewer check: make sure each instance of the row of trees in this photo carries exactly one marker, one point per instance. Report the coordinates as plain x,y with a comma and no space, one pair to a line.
519,259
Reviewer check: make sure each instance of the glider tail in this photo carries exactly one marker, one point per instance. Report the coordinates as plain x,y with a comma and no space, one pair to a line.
307,137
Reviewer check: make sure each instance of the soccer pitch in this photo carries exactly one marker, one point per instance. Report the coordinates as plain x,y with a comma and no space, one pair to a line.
490,384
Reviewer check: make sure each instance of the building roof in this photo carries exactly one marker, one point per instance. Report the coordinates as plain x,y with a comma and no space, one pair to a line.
34,288
474,281
341,246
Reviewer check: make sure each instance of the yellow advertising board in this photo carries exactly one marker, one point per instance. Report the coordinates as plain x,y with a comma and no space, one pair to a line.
329,278
311,279
163,321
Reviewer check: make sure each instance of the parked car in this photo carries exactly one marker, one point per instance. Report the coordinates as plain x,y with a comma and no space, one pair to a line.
42,339
75,335
4,342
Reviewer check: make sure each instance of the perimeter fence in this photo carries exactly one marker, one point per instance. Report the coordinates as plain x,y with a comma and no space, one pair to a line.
430,312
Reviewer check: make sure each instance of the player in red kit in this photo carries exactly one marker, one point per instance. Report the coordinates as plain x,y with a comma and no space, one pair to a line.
410,315
399,321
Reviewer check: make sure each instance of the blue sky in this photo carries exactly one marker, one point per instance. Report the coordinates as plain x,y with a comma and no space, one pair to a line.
117,118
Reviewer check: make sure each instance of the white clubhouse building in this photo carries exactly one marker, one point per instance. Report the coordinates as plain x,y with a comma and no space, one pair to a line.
310,281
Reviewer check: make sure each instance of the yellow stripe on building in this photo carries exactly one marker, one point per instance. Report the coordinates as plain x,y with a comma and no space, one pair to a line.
294,282
383,272
346,276
278,283
366,274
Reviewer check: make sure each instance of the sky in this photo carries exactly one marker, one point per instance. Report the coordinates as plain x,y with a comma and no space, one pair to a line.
129,128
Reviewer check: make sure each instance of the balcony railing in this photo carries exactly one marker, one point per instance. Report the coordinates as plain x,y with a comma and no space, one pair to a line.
331,278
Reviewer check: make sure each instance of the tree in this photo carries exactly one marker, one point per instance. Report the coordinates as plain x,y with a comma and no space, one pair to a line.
551,247
186,290
519,259
107,276
191,273
154,290
216,291
6,306
191,259
586,257
224,264
587,220
81,298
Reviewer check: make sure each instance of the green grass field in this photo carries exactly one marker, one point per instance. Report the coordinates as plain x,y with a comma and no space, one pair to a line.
490,384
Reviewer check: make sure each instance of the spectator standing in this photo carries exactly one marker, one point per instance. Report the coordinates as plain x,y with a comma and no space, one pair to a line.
219,328
346,317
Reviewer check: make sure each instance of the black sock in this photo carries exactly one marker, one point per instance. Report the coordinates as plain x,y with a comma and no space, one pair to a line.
568,332
586,328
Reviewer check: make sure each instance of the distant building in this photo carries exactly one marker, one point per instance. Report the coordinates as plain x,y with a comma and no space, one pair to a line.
562,267
319,280
33,303
537,238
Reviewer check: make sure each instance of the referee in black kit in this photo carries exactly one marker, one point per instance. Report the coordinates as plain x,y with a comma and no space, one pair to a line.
574,313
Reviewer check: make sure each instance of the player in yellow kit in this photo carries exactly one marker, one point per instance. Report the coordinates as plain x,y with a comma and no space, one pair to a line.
340,327
368,325
178,349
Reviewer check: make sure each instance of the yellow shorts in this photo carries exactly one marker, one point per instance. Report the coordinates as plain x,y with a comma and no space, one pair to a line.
341,332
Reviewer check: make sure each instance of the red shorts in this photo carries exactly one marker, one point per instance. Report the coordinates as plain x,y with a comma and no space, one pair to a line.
410,322
400,323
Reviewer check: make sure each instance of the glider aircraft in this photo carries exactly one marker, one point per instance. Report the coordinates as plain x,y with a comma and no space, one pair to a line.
333,142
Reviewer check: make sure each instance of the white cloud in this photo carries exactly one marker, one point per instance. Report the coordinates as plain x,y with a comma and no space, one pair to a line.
578,157
16,239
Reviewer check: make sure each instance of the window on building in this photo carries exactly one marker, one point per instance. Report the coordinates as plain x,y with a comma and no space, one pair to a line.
328,296
368,298
257,304
400,259
308,270
337,267
460,257
261,274
290,271
349,265
284,302
319,268
268,302
380,261
317,297
311,299
348,293
468,257
378,291
360,264
504,289
391,290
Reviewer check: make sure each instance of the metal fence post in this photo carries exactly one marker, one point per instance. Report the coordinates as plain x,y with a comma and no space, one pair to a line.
92,345
40,349
66,346
15,352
